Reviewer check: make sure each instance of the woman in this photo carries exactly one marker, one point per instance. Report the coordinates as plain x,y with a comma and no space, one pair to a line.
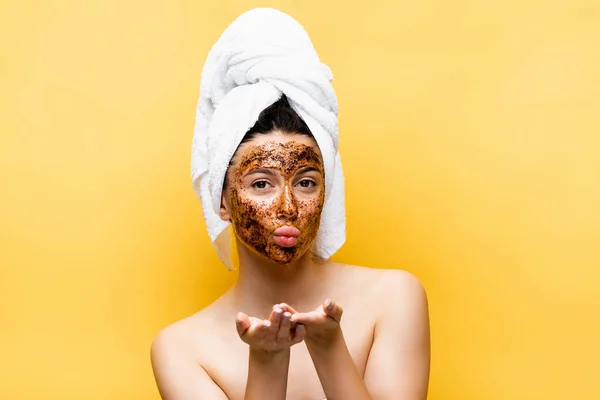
293,340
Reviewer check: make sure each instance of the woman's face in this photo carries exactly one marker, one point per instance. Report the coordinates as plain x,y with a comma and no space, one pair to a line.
275,194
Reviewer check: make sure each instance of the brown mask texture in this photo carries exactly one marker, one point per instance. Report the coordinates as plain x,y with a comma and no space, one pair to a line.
286,200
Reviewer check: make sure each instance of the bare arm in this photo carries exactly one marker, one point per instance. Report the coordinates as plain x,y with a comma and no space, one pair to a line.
399,361
177,376
338,374
398,364
269,359
267,375
328,350
179,380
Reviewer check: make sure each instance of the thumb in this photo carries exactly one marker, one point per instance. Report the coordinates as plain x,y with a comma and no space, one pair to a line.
242,323
333,310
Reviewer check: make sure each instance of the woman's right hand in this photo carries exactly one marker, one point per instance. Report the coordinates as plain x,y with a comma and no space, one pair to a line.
276,334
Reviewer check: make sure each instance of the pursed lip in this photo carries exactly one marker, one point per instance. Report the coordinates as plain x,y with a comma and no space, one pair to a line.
288,231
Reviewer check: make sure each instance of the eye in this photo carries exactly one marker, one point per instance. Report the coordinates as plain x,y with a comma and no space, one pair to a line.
307,183
260,184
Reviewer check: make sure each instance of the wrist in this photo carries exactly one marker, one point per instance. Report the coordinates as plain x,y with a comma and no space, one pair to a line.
269,356
325,342
267,374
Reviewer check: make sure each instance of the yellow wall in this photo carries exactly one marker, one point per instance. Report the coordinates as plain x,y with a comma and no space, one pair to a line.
471,143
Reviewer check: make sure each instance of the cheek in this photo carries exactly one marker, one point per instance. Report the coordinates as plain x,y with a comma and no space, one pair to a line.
312,208
248,213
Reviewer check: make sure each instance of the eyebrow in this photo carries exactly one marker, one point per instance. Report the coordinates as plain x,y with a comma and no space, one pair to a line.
308,169
268,171
261,171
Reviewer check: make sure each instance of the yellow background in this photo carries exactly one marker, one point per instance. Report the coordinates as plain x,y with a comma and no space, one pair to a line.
471,146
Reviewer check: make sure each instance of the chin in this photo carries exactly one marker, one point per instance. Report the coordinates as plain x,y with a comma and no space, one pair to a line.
284,259
283,255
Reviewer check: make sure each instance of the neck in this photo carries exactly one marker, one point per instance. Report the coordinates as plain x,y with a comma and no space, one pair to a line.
263,283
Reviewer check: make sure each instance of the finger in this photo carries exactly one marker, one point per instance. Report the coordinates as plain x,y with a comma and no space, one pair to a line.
333,310
299,335
306,318
275,317
275,322
258,327
269,330
293,325
288,308
242,323
284,329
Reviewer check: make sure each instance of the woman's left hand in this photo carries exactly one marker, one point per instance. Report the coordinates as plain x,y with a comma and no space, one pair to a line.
322,324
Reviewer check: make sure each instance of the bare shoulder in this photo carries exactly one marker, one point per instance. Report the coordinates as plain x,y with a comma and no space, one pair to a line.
385,282
399,355
185,338
404,315
398,294
398,363
174,337
176,355
403,284
176,347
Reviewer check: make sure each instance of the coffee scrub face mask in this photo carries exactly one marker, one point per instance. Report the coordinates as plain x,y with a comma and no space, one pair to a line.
275,194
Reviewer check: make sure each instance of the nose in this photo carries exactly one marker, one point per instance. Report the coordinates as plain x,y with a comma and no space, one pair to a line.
287,208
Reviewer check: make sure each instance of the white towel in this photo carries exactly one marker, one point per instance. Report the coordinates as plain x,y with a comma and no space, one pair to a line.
263,54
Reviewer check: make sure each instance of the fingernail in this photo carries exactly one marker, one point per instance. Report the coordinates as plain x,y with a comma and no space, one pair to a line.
277,310
328,304
287,315
267,323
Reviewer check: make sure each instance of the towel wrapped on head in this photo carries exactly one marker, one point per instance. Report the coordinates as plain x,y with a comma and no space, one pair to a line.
261,56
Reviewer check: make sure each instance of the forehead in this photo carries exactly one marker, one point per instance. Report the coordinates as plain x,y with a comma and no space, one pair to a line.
295,145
